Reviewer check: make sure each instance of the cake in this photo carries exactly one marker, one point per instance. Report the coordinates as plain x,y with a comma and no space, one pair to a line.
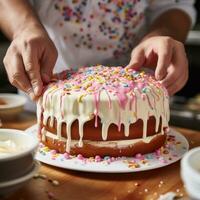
105,111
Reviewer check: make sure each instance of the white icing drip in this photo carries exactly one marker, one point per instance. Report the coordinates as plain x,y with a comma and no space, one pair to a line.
81,111
116,143
157,123
59,129
156,114
81,125
51,121
126,130
143,111
105,127
68,131
39,111
45,118
44,132
144,127
51,117
109,99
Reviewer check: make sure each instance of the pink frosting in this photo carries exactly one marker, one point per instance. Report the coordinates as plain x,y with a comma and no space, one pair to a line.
117,81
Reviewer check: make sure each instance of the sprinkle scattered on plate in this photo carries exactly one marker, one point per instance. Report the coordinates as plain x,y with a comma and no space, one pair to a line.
173,150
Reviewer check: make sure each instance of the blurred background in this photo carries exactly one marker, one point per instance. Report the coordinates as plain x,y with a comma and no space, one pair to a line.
185,105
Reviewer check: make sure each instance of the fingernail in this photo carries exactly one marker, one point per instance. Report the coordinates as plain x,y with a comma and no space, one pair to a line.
32,96
36,90
161,82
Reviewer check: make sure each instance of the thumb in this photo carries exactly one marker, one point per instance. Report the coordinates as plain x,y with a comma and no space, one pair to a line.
137,59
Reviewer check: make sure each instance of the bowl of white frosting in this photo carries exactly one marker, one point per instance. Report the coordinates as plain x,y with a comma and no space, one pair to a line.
17,150
190,172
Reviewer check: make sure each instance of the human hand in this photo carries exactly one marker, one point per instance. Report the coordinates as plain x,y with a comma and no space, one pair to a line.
169,57
30,59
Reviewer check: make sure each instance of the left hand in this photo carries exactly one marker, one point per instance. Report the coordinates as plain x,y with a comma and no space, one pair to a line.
169,57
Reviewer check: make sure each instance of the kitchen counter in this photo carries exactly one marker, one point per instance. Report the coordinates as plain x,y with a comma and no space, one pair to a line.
76,185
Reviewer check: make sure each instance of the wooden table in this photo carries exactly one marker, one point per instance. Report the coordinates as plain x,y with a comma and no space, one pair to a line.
90,186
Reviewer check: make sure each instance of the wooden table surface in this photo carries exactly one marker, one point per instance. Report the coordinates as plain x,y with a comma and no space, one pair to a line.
76,185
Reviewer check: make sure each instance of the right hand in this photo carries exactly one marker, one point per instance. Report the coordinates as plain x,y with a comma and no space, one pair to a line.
169,57
30,59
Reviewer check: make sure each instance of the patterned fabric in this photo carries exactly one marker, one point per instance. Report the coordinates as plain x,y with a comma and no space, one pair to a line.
90,32
108,27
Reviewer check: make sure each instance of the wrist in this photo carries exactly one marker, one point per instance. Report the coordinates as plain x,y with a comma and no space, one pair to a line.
28,26
173,23
161,31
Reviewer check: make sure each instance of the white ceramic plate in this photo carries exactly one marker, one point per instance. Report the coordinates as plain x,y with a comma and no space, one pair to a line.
175,148
12,100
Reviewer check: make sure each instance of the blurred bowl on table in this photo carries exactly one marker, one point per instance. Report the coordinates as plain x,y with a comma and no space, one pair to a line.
190,172
17,151
8,187
11,105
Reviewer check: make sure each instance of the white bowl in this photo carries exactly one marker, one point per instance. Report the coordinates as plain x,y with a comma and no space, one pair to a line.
8,187
16,164
26,142
190,172
11,105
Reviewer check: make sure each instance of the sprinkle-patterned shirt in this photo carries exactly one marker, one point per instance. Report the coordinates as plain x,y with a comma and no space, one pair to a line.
89,32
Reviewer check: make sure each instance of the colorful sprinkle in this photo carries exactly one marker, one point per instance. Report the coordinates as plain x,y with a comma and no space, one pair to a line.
163,156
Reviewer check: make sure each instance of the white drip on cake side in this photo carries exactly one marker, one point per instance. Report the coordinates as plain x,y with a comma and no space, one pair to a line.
109,144
66,108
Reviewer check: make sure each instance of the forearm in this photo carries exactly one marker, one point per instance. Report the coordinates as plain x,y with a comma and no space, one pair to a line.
174,23
15,16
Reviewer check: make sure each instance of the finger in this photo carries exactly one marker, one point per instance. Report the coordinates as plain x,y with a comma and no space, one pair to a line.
151,60
47,64
17,75
170,78
177,69
137,59
172,89
30,60
164,53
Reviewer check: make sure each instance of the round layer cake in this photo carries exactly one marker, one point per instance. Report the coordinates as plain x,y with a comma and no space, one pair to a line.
103,111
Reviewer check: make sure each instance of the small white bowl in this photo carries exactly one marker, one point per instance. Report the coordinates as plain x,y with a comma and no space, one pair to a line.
19,163
26,142
11,105
6,188
190,172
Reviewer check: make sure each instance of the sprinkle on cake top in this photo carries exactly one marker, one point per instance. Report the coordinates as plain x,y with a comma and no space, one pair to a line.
89,80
